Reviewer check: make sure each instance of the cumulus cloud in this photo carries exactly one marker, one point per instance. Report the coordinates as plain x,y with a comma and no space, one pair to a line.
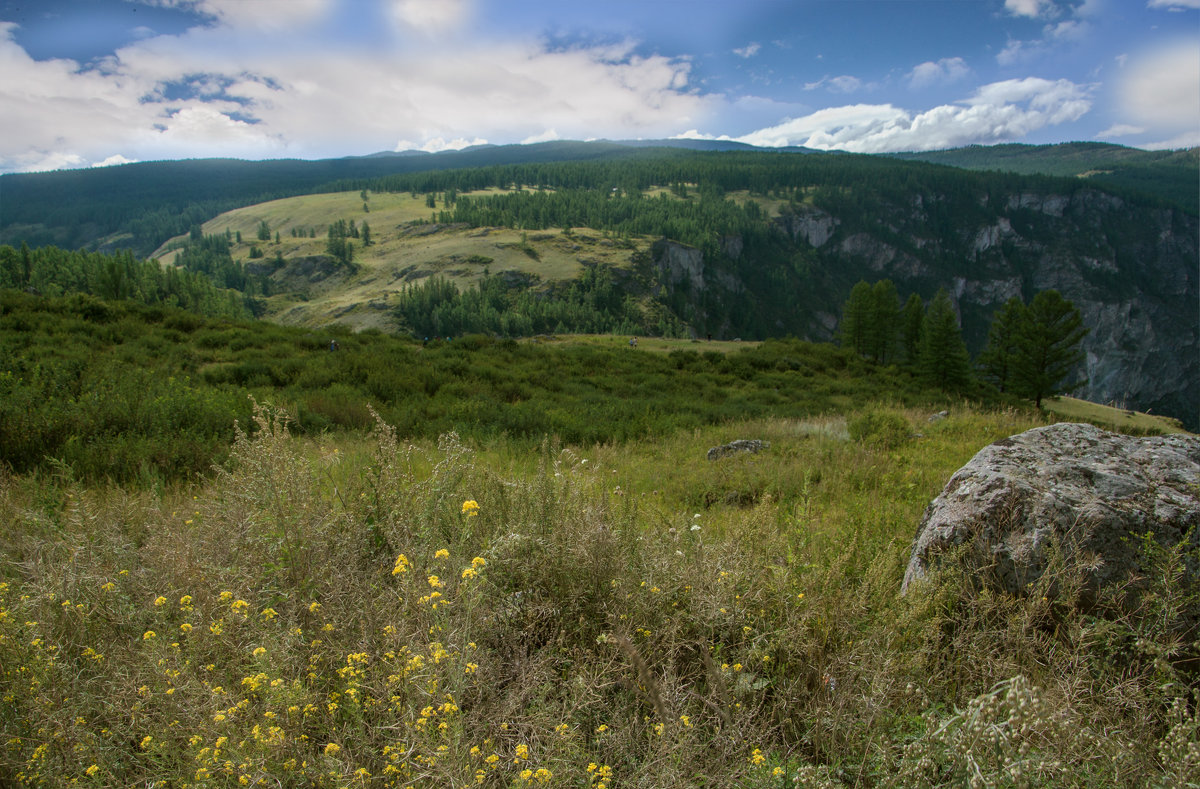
998,112
259,101
943,71
748,51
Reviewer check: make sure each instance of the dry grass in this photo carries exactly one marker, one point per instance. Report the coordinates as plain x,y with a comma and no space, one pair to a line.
367,613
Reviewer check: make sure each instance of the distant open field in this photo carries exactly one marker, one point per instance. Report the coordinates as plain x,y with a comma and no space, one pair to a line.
1073,409
406,248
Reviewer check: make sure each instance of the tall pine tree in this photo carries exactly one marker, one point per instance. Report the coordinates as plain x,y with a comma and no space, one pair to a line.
855,329
911,318
885,314
1047,347
997,358
944,361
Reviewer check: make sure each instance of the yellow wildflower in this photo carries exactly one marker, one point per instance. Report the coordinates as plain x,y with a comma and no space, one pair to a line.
470,508
401,566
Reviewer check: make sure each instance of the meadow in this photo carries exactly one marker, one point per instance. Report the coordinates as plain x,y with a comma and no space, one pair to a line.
354,609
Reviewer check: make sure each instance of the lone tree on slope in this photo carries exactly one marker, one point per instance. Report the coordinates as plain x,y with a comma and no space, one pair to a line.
1047,347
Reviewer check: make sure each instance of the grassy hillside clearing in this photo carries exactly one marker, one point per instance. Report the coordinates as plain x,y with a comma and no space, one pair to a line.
405,249
1071,409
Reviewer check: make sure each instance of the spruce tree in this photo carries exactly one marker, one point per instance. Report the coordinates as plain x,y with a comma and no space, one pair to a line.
911,318
1047,347
996,359
943,357
856,318
885,314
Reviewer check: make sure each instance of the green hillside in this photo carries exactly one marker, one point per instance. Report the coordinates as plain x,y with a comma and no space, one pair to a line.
131,392
1172,175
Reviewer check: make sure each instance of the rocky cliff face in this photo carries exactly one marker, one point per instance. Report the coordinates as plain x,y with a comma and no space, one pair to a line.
1131,268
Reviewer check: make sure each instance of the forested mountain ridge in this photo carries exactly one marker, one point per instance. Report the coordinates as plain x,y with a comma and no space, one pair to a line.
138,206
757,244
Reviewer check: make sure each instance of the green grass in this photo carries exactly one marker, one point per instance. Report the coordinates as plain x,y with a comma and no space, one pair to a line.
327,612
1133,422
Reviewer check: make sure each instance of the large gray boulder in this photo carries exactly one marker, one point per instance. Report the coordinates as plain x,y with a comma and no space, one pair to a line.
1069,487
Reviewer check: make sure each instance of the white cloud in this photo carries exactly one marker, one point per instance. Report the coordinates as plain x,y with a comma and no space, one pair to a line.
943,71
431,17
549,135
437,144
998,112
1174,5
840,84
1162,89
1030,8
250,98
1189,139
748,51
1120,130
113,160
1015,52
259,15
1067,30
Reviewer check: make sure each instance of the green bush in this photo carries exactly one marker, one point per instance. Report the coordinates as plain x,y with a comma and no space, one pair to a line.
883,429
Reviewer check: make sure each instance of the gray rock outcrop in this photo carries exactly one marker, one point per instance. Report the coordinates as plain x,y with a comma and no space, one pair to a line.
734,447
1074,488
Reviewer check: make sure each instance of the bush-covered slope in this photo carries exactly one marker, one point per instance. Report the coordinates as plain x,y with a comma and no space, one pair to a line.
130,392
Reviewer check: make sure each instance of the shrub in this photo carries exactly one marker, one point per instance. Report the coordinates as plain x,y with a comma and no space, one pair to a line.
883,429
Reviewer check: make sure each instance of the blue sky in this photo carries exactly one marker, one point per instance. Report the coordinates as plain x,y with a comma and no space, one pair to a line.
91,82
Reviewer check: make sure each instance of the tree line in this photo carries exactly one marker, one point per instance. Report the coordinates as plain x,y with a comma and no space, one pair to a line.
1031,349
200,287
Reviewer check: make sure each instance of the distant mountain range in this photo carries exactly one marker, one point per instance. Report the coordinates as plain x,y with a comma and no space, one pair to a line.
140,205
